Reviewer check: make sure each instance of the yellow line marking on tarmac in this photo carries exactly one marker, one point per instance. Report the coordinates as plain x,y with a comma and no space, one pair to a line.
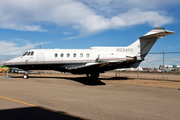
18,101
43,108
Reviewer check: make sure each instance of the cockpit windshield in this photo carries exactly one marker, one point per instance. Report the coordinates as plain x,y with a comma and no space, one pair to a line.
30,53
24,53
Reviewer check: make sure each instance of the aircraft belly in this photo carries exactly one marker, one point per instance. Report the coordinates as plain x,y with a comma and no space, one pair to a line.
57,66
76,68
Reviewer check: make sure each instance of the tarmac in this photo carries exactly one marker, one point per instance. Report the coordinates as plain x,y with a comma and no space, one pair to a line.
76,97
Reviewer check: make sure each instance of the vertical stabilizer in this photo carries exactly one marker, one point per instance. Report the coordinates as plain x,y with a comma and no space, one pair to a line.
143,45
149,39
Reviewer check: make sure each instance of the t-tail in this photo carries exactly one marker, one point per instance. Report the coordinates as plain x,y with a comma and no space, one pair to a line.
143,45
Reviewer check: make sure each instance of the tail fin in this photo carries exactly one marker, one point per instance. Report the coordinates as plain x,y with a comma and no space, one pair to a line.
143,45
148,40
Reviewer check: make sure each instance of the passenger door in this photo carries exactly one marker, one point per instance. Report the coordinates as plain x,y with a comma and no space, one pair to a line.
40,58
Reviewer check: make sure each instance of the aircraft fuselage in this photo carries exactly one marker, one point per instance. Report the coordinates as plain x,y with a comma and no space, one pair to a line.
89,61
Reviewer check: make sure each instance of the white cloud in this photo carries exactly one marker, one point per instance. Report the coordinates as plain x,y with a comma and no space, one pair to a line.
67,33
114,6
13,47
22,27
95,23
88,17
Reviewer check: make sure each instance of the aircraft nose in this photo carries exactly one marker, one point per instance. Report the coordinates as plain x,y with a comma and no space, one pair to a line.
8,63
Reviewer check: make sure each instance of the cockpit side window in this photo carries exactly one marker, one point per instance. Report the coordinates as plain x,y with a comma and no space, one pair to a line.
32,53
29,53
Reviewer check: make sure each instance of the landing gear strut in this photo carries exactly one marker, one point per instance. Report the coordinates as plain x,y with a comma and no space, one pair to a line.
94,76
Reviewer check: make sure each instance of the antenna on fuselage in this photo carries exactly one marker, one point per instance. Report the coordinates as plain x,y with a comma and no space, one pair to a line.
39,47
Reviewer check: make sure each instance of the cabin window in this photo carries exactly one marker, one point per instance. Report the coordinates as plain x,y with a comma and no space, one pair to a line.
62,54
74,55
55,55
81,55
87,55
68,55
32,53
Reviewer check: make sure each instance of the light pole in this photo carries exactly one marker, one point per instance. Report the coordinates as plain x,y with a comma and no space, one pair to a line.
163,64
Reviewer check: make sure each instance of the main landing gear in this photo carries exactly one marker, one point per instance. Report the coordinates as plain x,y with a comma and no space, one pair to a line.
93,76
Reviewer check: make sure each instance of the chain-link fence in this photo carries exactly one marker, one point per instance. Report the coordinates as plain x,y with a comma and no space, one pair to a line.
159,66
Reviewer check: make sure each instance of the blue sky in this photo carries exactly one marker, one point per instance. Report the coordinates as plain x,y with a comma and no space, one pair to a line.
81,24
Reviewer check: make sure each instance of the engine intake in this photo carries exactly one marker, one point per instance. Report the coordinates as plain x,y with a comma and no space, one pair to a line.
131,59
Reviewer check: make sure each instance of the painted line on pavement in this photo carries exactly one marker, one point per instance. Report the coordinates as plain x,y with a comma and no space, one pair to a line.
18,101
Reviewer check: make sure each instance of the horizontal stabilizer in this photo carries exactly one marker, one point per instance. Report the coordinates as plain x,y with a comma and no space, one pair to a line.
157,33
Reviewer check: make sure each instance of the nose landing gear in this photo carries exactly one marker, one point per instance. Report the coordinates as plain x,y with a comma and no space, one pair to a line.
25,76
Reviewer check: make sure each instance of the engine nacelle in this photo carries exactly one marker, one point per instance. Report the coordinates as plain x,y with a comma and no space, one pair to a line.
114,57
111,57
131,59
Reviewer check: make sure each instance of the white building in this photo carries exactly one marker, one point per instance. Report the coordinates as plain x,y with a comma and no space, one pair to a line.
170,67
131,69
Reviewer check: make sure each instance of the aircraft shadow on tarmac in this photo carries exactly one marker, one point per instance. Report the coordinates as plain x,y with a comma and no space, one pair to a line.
86,81
35,113
115,78
83,80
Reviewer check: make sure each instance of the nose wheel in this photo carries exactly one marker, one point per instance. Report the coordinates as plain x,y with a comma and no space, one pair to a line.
25,76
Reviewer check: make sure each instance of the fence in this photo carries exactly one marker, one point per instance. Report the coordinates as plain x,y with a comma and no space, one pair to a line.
152,62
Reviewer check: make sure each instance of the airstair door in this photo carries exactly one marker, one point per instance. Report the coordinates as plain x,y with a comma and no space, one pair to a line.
40,58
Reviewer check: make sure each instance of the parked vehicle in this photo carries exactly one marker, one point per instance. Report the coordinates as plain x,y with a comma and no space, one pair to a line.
21,71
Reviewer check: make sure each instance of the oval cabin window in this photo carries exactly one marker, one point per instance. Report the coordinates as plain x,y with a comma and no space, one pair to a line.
81,55
74,55
68,55
55,55
62,54
87,55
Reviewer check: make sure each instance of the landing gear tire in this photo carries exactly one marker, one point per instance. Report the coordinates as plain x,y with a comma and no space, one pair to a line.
94,76
25,76
87,75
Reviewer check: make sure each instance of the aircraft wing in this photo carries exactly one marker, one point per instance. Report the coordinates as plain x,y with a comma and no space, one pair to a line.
88,68
94,67
104,63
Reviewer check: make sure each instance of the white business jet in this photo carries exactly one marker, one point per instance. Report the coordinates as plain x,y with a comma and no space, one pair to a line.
89,61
